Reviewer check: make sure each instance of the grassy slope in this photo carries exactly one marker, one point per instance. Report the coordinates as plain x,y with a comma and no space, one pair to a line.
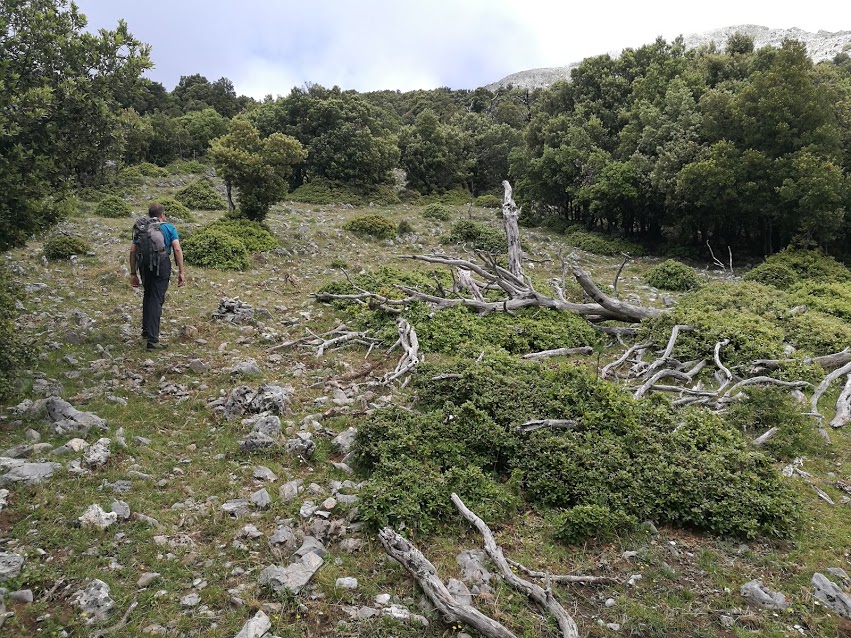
688,582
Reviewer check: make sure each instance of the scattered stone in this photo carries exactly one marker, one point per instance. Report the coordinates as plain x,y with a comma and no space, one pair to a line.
727,621
343,467
146,579
24,596
629,554
302,447
472,563
263,473
610,602
261,499
329,503
117,400
141,440
98,454
346,582
76,445
831,595
94,601
198,366
10,566
350,545
311,545
4,494
293,577
146,519
460,592
634,580
21,451
256,441
283,536
190,600
400,613
155,630
289,490
270,425
122,509
840,573
236,507
613,626
308,508
66,419
757,594
256,627
268,398
94,516
247,367
382,599
30,473
32,435
650,527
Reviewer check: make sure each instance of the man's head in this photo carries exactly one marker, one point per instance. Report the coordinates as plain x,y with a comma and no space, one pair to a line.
156,210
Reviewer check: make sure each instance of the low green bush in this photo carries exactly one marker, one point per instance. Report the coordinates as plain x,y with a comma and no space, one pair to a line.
64,246
405,228
327,192
831,298
772,274
456,197
673,275
200,195
377,226
480,236
214,248
766,408
817,333
114,207
579,523
130,176
173,208
255,236
15,351
488,201
186,167
151,170
812,265
437,212
602,244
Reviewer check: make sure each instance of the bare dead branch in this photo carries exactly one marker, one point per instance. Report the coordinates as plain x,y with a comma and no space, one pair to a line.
119,625
422,571
828,361
824,385
556,578
542,597
843,406
661,374
626,258
623,358
765,438
510,213
558,352
628,312
537,424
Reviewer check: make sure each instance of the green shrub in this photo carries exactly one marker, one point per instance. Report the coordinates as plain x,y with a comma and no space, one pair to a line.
488,201
255,236
200,195
772,274
63,246
15,352
377,226
324,191
766,408
601,244
811,265
114,207
673,275
151,170
405,228
480,236
214,248
130,176
437,212
173,208
830,298
591,521
186,167
457,197
817,333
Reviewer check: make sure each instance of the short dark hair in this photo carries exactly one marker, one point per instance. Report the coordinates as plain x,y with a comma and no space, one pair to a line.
156,210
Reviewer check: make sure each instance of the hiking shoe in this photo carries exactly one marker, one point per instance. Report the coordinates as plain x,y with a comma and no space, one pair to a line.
155,345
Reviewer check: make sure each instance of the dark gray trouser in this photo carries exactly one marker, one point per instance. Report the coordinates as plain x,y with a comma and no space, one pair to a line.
155,285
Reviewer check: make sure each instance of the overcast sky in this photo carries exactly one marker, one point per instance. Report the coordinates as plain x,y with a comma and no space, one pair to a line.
270,46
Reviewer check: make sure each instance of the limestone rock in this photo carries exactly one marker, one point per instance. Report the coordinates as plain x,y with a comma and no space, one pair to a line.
66,419
30,473
346,582
831,595
255,627
10,565
756,593
94,601
95,516
293,577
261,499
98,454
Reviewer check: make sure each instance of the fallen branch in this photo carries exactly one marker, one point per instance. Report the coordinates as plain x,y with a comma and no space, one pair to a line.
538,424
765,438
557,578
626,258
827,361
623,358
422,571
558,352
543,597
100,633
824,385
411,355
627,311
843,406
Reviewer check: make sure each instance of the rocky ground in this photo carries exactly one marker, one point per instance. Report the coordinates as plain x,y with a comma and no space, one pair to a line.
205,490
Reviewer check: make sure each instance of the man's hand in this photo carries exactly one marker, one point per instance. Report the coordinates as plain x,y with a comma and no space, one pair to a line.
134,280
181,279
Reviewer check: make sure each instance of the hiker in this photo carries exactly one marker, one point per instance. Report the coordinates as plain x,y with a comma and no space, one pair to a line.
153,242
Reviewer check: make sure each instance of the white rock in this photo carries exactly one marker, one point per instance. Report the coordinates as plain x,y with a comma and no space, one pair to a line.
346,582
256,627
94,516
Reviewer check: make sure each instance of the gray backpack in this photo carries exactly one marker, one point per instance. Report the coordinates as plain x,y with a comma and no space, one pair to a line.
150,243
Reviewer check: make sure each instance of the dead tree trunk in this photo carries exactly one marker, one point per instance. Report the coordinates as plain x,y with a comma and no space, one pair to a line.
510,213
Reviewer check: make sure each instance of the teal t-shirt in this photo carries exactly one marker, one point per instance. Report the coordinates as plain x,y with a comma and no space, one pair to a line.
169,234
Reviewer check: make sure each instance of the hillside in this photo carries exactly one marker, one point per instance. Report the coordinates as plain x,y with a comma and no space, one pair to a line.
205,523
823,45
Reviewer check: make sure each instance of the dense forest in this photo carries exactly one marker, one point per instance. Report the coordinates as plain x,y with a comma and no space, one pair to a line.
739,147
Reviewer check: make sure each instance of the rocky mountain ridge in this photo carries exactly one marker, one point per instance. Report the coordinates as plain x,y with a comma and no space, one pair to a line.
822,45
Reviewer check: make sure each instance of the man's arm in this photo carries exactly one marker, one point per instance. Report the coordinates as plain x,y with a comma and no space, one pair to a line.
178,259
134,276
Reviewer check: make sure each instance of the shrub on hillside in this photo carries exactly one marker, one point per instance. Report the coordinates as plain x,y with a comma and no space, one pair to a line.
186,167
488,201
200,195
173,208
15,353
582,522
151,170
437,211
130,176
113,206
405,228
817,333
255,236
775,274
479,236
64,246
602,244
673,275
324,191
830,298
214,248
812,265
377,226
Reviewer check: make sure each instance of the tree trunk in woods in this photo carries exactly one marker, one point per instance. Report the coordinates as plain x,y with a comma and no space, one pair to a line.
231,206
510,213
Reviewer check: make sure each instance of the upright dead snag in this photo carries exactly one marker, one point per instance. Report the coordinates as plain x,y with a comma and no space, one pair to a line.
510,213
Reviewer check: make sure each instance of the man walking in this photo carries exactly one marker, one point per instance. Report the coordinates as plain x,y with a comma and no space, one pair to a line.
155,268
